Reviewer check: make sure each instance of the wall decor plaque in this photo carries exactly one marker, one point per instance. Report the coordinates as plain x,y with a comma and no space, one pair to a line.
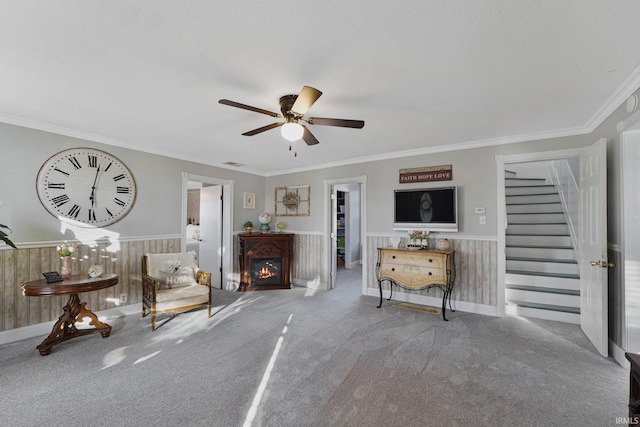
426,174
293,201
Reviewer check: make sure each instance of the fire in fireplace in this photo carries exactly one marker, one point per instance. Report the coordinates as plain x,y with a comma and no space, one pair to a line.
265,271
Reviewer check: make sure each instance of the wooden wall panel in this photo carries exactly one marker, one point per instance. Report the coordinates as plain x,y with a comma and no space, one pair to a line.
22,265
476,269
308,250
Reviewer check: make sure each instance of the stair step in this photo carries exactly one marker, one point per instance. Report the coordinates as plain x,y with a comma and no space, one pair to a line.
522,182
542,313
538,229
529,298
536,217
543,290
542,274
534,208
543,281
532,199
540,252
530,189
546,266
539,241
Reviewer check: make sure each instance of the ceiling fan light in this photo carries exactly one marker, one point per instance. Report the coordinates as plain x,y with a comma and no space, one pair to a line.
292,131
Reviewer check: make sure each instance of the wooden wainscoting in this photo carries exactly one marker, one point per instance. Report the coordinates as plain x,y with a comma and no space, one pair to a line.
476,268
21,265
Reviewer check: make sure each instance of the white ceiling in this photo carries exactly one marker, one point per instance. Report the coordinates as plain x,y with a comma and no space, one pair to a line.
425,76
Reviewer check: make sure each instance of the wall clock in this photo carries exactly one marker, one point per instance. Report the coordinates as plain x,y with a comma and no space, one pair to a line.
86,186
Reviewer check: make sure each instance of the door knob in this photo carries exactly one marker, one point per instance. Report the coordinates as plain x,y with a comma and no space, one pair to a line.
603,264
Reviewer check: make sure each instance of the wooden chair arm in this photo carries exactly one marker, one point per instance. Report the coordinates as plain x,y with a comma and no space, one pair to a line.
204,278
149,287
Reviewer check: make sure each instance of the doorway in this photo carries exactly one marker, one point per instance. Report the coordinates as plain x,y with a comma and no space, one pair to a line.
209,232
345,242
591,238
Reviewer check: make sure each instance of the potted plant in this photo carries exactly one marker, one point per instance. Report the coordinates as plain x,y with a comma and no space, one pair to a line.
5,238
247,226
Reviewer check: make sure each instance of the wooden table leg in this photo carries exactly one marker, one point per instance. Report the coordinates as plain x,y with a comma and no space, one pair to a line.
65,329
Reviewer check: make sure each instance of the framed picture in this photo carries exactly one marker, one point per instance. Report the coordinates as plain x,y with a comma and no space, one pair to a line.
249,200
293,201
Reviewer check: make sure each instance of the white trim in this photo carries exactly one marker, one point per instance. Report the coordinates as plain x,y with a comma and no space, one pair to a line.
434,234
617,354
46,244
412,298
501,164
45,328
328,244
227,220
88,136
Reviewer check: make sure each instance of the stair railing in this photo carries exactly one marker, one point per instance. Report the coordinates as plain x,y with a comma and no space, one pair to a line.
565,181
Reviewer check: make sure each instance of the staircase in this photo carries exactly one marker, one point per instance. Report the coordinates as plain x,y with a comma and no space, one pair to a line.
542,274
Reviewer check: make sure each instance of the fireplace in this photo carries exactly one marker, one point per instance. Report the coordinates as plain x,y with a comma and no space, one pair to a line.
266,271
266,261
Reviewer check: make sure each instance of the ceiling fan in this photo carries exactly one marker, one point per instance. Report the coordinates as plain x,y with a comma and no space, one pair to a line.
293,108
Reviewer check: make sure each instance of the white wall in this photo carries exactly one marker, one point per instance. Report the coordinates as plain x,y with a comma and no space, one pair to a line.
158,207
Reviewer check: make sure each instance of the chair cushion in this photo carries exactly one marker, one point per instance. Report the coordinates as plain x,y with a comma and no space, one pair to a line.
198,293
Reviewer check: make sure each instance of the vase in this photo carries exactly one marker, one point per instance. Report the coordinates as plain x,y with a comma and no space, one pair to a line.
442,244
65,270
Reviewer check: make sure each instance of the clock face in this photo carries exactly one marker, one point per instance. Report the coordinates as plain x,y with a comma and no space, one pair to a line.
86,186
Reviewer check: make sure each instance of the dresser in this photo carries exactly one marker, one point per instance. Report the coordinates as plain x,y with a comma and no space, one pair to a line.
416,270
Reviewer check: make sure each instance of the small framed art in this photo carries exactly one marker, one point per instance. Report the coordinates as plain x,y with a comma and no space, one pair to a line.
249,200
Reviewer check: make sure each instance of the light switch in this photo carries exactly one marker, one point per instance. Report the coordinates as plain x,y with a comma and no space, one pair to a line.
483,220
479,210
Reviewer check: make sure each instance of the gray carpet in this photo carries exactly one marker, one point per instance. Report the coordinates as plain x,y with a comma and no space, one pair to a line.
303,358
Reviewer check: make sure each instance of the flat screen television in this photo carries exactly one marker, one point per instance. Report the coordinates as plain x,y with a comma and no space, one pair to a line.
426,208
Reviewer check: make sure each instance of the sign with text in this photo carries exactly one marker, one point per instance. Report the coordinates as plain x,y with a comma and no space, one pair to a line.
432,173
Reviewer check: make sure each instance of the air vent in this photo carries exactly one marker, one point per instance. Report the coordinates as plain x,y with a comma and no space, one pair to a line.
232,164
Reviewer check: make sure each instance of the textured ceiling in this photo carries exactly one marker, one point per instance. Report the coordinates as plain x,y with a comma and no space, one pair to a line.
424,75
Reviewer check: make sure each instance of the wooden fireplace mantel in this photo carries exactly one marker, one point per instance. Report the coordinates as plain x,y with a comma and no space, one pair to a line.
262,246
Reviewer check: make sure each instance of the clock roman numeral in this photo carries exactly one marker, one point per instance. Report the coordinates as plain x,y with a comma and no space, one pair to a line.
57,185
119,202
75,163
93,161
61,171
60,200
108,166
74,211
118,177
123,190
92,215
108,211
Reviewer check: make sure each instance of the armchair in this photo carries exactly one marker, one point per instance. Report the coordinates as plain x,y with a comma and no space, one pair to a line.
171,283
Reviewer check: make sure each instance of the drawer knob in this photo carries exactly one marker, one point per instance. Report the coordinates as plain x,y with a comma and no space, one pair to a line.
430,273
393,269
430,260
393,256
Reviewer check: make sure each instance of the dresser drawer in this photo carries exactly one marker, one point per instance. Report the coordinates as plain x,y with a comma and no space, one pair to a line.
413,277
413,258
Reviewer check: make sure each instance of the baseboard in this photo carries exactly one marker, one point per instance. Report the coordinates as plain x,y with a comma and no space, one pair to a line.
40,329
467,307
617,354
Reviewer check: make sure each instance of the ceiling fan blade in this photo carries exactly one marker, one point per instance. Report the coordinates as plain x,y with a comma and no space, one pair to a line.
305,100
248,107
263,129
308,137
357,124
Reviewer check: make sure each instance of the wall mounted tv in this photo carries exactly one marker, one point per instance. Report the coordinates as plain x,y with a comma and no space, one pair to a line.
426,208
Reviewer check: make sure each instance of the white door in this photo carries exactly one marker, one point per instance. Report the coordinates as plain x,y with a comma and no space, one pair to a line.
210,253
593,245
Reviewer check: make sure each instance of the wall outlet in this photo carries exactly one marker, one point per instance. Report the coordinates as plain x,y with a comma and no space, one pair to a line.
483,220
123,298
